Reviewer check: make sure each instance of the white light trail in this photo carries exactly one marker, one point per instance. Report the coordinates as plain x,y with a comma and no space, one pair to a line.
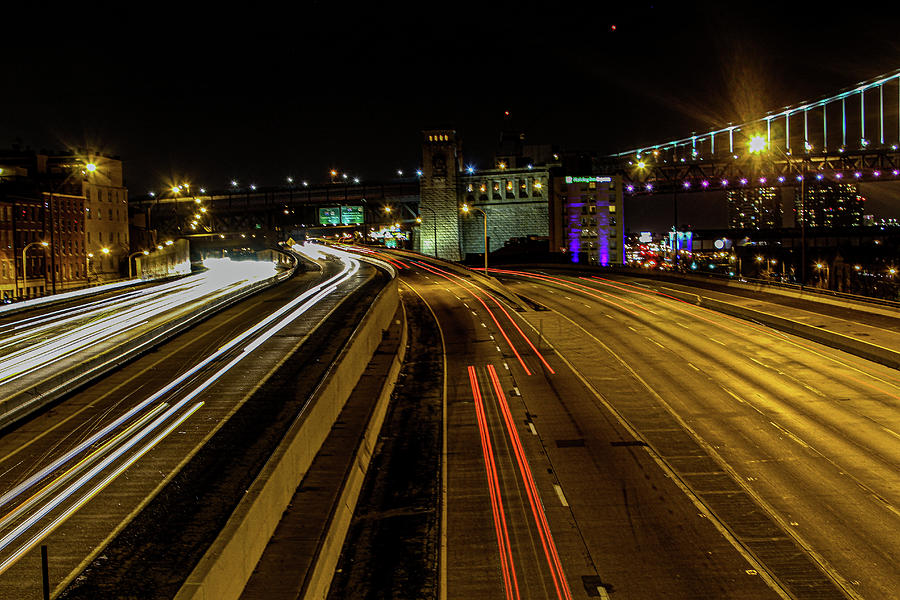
63,489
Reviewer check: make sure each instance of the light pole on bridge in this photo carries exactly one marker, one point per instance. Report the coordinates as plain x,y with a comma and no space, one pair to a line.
757,146
466,208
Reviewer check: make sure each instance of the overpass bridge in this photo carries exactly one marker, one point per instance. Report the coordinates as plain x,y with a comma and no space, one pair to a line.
276,208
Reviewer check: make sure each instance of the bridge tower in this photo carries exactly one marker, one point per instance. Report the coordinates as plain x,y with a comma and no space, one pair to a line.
438,198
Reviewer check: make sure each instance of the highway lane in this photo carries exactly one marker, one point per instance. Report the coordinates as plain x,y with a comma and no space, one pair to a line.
39,351
75,475
547,495
807,433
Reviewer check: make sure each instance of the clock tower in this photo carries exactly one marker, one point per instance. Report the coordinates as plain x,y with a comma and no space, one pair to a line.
438,199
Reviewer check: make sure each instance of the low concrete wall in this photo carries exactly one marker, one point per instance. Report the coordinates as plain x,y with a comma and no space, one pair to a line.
872,305
319,582
845,343
226,567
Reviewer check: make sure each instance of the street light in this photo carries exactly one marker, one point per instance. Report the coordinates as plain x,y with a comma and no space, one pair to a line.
757,144
466,208
105,252
25,265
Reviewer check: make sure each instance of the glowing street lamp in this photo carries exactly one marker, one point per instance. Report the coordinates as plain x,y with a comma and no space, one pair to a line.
757,144
25,265
466,208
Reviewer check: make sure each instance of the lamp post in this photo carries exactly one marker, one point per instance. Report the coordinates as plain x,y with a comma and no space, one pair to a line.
434,222
757,145
466,208
105,252
25,265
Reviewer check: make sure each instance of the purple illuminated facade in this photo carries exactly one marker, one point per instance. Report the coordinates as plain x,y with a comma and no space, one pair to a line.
590,229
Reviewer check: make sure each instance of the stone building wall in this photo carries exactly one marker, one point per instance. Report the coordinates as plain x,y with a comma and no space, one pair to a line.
506,221
438,199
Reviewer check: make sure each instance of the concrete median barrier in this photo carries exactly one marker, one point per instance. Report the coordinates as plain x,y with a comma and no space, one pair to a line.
226,567
869,351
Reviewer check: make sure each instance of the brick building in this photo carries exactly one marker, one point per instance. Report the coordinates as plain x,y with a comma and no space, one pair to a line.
106,217
45,213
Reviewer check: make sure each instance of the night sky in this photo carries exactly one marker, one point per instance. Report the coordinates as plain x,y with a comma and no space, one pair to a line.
258,93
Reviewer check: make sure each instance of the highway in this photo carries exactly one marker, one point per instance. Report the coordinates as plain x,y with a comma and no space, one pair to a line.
798,442
48,350
76,475
600,438
546,494
604,439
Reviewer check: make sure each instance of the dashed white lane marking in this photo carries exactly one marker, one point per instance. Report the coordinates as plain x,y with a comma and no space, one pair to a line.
531,427
691,365
892,432
517,392
506,365
814,390
559,492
